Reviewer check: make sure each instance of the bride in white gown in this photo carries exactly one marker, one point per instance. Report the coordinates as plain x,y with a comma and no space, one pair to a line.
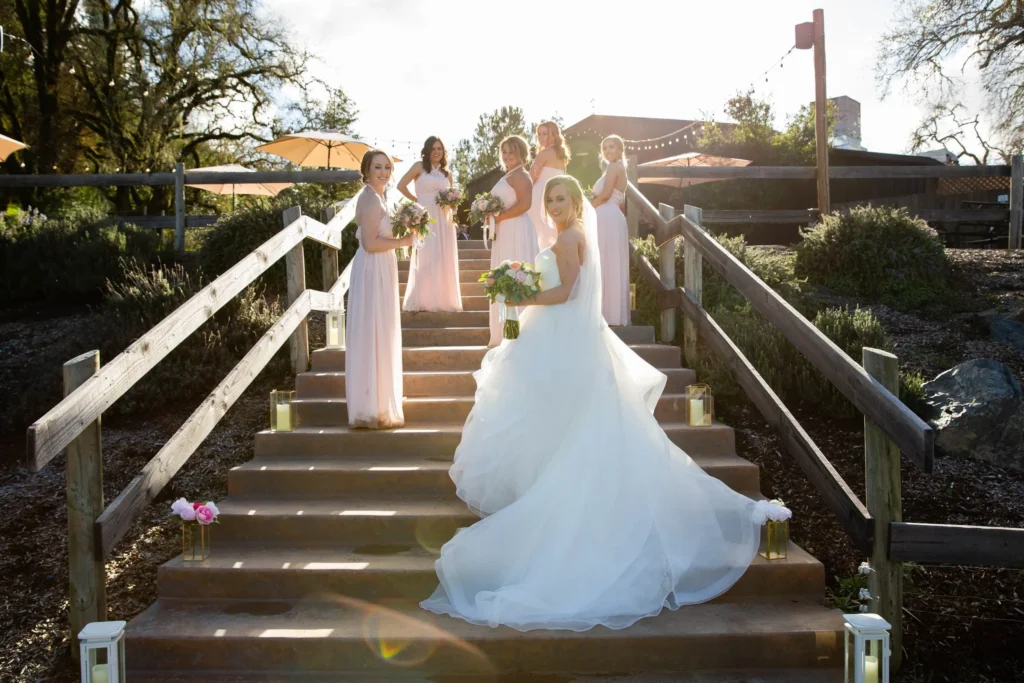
591,515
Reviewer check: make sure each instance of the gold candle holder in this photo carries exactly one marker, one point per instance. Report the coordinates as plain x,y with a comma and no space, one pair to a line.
282,415
195,541
699,405
336,329
774,540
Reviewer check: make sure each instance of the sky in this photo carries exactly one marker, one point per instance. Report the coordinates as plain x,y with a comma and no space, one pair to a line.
430,67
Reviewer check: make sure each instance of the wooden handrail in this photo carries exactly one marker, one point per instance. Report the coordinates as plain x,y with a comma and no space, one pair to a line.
51,433
810,172
161,179
850,511
956,544
912,434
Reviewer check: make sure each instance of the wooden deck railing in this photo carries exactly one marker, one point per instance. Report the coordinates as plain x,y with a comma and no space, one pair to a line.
74,422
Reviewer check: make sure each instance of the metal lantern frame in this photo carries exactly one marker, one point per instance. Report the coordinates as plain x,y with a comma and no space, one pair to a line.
279,399
860,631
700,405
102,636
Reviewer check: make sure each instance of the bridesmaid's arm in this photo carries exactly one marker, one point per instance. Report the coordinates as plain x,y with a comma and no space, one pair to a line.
523,187
369,214
568,249
410,175
537,167
610,182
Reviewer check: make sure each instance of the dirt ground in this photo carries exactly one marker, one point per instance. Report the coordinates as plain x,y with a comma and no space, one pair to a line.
961,623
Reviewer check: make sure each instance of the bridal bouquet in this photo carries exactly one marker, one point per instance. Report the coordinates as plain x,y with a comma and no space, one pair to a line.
449,197
511,282
483,209
408,218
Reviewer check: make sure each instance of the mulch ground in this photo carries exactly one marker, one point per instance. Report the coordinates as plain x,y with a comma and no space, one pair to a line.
962,624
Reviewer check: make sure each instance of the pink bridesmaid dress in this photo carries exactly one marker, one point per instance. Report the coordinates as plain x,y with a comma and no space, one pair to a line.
613,246
434,268
373,359
546,232
516,241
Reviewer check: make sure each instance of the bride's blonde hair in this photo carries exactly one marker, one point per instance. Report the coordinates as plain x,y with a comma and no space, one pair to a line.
573,189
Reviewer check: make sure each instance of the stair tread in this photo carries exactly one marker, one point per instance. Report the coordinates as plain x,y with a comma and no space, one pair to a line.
226,620
451,428
422,505
446,398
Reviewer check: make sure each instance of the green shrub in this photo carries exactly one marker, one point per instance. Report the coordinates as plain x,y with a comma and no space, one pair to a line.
67,259
238,234
877,252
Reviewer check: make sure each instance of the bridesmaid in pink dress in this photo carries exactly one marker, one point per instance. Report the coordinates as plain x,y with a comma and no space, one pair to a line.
373,359
613,233
434,268
516,239
550,161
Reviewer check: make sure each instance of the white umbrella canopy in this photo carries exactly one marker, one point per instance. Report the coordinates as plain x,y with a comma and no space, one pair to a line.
690,159
320,148
9,146
263,189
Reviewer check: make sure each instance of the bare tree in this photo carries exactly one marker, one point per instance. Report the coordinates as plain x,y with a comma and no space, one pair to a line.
952,127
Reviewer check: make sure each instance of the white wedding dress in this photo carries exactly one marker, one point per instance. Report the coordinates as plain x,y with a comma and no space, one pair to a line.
591,515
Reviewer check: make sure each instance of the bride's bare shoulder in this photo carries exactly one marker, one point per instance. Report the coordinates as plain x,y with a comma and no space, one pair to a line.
569,240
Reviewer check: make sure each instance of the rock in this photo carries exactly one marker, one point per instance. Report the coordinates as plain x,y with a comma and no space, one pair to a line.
977,410
1008,330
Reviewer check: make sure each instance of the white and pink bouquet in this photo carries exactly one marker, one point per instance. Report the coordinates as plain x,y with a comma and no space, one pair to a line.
200,513
450,197
410,218
511,283
483,208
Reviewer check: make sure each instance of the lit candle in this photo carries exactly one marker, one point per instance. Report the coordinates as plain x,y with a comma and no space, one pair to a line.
284,417
696,412
870,669
99,673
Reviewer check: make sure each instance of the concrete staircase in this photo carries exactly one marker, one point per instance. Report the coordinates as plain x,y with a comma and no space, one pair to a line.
328,537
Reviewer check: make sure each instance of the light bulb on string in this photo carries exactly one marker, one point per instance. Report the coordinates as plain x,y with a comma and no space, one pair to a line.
71,71
111,83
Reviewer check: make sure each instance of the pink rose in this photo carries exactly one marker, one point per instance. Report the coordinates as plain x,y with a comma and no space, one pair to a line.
204,515
490,281
184,509
515,265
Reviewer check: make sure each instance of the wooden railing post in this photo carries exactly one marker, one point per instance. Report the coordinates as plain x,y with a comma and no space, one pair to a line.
693,283
1016,201
667,273
87,590
179,206
295,263
329,255
882,497
632,212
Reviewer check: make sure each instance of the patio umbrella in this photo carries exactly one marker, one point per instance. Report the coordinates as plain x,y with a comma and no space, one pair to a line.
320,148
9,146
690,159
264,189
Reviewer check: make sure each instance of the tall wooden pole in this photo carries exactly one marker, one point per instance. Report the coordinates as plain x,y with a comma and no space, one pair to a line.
821,113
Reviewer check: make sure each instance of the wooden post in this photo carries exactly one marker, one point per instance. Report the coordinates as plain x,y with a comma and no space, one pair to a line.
87,590
632,212
882,496
179,206
821,113
329,256
693,283
295,262
667,271
1016,201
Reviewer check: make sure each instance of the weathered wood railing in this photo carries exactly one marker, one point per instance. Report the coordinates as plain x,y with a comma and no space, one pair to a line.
74,422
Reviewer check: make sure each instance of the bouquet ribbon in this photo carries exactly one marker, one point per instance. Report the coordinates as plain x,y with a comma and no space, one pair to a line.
488,227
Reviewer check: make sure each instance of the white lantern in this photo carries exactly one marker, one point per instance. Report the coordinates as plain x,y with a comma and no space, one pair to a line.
336,329
98,637
867,649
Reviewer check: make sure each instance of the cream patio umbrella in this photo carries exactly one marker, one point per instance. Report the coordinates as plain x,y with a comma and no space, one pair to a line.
263,189
690,159
320,148
9,146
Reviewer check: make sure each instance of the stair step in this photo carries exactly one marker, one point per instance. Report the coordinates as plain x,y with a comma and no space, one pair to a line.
471,245
401,474
418,384
346,635
465,263
480,253
466,288
377,571
441,358
451,336
469,275
411,676
327,412
442,439
428,319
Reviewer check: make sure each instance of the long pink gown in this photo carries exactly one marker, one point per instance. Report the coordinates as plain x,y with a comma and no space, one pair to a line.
434,269
546,232
613,246
373,359
516,241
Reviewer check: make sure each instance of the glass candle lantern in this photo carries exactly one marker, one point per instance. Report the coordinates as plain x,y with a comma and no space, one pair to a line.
281,413
774,540
632,296
867,649
336,329
101,647
699,405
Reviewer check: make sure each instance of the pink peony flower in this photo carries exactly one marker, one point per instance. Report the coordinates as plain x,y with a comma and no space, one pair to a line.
213,508
520,276
204,515
490,281
515,265
184,509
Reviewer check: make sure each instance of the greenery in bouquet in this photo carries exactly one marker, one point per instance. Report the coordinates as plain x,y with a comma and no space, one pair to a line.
511,283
